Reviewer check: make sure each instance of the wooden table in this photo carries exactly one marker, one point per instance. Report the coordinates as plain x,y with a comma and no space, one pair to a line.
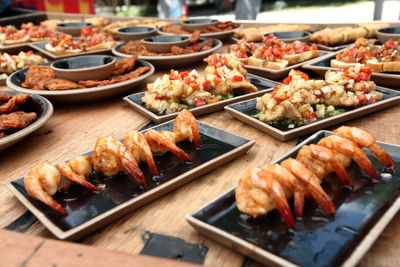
73,130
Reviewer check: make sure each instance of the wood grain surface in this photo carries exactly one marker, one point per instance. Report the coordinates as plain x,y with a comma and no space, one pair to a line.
73,130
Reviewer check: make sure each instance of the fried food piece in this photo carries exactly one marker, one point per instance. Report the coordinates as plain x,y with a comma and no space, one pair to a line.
195,37
5,97
16,120
13,103
37,76
60,84
124,65
115,79
2,135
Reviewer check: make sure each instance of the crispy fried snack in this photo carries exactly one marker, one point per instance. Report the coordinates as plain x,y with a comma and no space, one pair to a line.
5,97
16,120
37,76
13,103
60,84
124,65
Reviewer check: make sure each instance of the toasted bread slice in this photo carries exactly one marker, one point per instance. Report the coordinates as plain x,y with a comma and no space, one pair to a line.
276,65
19,41
106,45
376,66
58,51
340,64
297,58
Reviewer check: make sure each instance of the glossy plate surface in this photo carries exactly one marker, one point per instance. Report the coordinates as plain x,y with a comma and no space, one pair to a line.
322,64
175,61
15,80
135,101
88,210
319,240
245,110
37,104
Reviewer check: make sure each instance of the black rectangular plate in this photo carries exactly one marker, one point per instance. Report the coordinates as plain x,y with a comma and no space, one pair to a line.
82,204
136,99
248,108
319,240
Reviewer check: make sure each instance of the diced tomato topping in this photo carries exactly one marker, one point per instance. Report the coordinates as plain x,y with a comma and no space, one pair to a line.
237,78
287,80
311,116
184,74
362,99
206,83
199,102
194,86
217,80
172,77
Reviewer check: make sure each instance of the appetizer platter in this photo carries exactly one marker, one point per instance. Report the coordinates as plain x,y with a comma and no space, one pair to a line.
383,60
256,34
224,82
195,51
273,58
12,38
97,191
20,115
354,205
334,39
221,30
301,105
11,63
41,80
64,45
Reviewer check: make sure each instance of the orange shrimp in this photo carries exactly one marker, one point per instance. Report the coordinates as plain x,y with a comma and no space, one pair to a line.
258,192
136,143
365,139
158,141
185,127
42,182
110,156
350,149
322,160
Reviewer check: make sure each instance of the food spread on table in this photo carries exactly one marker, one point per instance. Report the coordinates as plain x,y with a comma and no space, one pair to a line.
110,157
40,77
272,53
223,78
379,58
302,100
11,63
137,48
28,32
256,34
261,190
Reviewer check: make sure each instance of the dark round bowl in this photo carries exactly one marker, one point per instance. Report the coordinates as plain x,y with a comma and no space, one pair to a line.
197,24
291,36
135,32
98,67
73,28
385,34
163,44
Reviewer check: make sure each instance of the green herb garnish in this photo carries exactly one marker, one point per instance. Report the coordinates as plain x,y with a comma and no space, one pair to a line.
337,111
228,96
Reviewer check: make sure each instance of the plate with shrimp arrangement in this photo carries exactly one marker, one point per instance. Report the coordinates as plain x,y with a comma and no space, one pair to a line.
301,105
78,196
42,80
322,204
223,81
20,115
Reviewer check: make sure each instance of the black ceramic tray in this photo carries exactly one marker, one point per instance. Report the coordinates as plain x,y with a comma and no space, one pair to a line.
245,110
319,240
89,210
135,101
322,64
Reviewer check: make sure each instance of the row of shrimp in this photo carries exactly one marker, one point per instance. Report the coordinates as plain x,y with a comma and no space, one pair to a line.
261,190
110,157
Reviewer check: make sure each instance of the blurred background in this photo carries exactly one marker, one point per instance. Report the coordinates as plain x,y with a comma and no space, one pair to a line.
323,11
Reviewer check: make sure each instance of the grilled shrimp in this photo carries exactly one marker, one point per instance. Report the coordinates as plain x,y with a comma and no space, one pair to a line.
136,143
186,128
77,170
42,182
110,156
365,139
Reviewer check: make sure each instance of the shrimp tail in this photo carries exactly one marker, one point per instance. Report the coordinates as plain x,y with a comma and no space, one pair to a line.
278,195
68,173
381,155
133,168
362,160
299,201
33,187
